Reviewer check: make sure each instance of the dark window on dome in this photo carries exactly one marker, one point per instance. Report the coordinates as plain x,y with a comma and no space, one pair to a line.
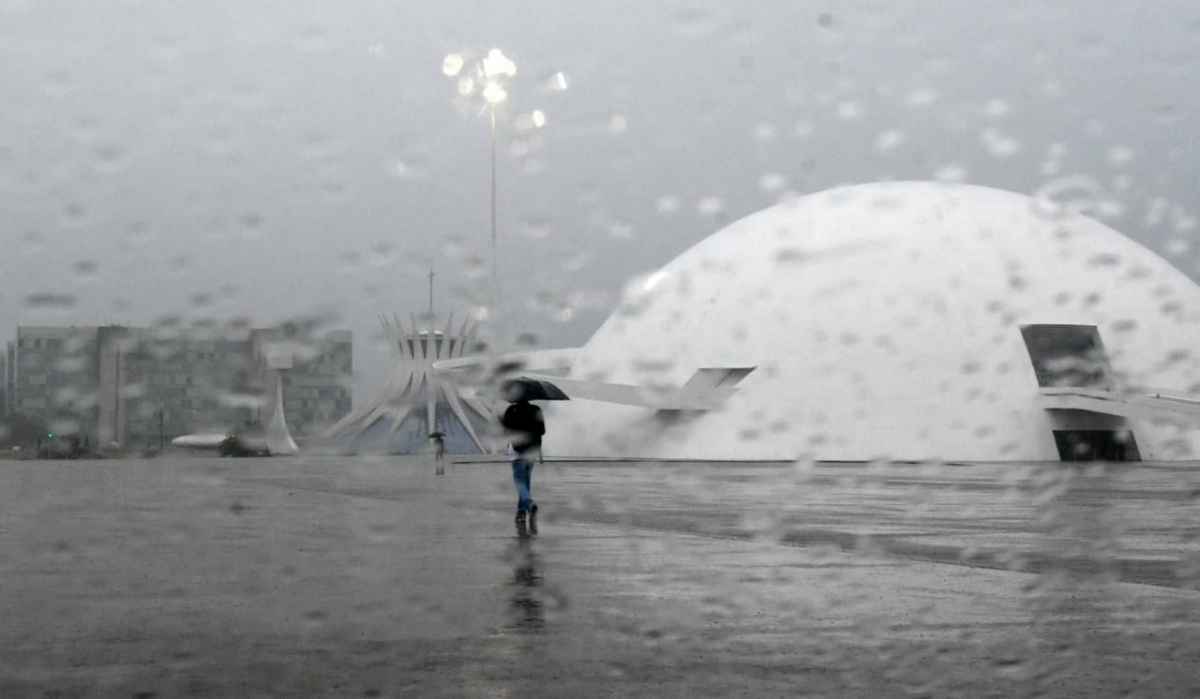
1096,445
1067,355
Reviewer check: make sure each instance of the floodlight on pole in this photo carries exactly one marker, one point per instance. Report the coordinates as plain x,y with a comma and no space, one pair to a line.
486,78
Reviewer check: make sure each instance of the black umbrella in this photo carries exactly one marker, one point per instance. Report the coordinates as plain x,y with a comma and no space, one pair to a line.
525,388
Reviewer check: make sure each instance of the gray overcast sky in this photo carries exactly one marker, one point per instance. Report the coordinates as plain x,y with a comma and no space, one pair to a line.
275,158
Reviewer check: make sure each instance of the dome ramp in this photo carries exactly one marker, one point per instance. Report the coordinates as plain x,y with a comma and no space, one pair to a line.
706,390
1152,406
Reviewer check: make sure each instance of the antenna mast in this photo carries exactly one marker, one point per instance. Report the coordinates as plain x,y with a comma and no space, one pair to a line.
431,276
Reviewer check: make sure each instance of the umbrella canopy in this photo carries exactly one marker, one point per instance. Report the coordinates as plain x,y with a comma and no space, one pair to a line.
525,388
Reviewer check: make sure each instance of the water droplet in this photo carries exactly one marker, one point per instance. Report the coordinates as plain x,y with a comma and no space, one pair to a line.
536,227
1066,196
452,64
1104,259
1182,221
710,206
578,262
825,20
1166,113
474,265
952,172
921,97
495,65
997,108
764,133
528,122
493,93
1110,208
1178,246
1120,155
695,22
74,212
618,124
58,83
109,157
313,39
407,169
667,204
556,82
998,144
1156,212
621,230
85,268
772,182
50,301
802,129
889,140
382,254
849,111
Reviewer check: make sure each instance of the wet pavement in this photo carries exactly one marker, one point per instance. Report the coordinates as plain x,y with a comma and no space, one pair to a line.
358,577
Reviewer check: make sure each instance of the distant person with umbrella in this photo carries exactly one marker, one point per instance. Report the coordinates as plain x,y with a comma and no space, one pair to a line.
523,423
439,450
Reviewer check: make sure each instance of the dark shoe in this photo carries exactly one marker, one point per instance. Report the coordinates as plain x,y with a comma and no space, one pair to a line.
520,517
533,520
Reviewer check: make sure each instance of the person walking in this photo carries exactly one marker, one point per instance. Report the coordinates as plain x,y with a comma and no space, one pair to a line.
525,427
439,451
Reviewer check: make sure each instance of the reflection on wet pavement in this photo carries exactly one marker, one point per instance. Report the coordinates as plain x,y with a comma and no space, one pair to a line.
527,605
193,577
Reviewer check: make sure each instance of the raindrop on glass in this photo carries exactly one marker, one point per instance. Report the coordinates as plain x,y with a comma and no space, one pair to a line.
667,205
50,301
889,140
772,182
710,206
849,111
921,97
998,144
952,172
452,64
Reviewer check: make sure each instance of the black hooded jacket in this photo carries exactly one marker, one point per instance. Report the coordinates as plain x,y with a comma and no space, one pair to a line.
524,421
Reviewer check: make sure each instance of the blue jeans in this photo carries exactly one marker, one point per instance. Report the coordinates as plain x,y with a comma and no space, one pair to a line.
522,472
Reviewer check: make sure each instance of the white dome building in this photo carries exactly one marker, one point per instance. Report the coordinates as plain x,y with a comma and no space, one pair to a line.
898,320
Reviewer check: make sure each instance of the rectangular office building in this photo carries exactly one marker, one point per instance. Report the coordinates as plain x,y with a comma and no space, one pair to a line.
137,388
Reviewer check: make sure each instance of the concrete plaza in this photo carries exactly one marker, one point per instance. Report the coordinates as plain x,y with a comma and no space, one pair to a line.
187,576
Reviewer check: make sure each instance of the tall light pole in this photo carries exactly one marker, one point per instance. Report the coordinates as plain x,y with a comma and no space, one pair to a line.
495,277
487,78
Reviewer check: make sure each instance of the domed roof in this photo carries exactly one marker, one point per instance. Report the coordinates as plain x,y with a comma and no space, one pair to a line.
882,319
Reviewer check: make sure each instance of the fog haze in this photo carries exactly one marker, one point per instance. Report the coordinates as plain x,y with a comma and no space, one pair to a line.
276,159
